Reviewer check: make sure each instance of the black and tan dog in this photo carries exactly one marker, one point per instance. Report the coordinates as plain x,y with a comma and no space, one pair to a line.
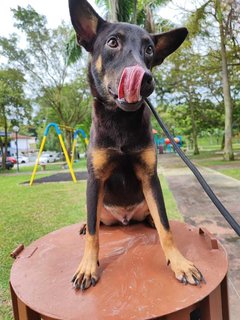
123,184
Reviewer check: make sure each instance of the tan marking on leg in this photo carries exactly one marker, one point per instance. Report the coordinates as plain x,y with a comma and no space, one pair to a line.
183,268
98,64
87,270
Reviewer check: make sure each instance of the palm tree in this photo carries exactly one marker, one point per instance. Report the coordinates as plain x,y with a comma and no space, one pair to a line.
133,11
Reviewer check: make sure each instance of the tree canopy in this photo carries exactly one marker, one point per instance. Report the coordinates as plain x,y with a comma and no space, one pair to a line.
52,83
197,88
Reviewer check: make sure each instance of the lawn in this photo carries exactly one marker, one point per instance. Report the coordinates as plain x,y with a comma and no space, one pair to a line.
234,173
27,213
215,161
55,166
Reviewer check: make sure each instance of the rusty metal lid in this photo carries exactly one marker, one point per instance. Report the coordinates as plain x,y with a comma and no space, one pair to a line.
135,282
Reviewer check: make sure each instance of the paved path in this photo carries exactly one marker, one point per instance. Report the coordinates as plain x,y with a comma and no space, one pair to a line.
197,209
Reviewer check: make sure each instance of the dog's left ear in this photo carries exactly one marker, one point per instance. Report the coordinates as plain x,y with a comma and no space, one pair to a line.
85,21
166,43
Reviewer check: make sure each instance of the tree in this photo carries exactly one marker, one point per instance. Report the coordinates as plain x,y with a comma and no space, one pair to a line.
45,61
222,14
13,104
75,97
228,151
139,12
188,99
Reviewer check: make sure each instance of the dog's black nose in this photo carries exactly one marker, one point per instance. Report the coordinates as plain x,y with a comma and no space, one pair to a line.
147,85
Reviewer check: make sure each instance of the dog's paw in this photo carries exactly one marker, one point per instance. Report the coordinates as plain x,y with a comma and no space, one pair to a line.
184,270
86,274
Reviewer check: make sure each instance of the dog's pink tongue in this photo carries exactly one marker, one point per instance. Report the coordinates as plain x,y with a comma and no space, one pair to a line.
130,84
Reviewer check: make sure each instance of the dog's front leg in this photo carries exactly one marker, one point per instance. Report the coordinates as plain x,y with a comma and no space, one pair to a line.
86,274
184,270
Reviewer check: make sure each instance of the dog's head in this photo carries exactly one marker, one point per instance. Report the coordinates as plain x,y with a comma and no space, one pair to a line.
122,55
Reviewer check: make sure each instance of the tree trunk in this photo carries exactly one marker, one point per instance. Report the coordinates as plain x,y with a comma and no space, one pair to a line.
5,142
113,5
135,12
223,141
69,142
228,150
1,146
194,129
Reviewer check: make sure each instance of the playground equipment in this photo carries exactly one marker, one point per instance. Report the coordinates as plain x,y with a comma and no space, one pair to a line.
135,282
176,139
76,134
59,133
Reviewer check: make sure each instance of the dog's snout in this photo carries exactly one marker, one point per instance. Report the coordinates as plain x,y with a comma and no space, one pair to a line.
147,85
148,77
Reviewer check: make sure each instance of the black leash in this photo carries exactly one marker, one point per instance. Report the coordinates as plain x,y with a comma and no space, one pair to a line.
233,223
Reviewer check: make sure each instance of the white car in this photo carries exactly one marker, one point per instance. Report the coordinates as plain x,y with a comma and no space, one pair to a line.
23,159
46,158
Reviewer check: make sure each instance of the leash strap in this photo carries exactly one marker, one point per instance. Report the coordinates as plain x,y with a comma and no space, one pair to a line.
233,223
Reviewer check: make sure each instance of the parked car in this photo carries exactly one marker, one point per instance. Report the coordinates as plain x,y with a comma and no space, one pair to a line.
9,164
47,158
12,159
23,159
60,156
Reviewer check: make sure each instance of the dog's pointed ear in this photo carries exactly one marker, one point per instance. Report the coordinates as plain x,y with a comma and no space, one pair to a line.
166,43
85,21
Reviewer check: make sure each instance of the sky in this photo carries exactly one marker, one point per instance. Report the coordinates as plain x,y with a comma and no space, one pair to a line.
56,11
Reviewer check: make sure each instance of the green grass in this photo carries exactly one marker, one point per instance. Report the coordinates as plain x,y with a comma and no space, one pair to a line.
234,173
79,165
27,213
215,161
171,205
214,143
205,155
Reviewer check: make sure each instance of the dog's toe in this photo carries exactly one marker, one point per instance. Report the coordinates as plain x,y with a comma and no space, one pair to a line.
184,270
86,276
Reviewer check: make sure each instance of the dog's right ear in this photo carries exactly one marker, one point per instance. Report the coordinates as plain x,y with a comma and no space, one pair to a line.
85,21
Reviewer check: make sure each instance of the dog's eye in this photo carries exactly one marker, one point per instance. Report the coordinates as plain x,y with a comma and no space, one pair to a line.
149,50
112,42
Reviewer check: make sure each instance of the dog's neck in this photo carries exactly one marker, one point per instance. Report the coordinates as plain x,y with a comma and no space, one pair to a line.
117,128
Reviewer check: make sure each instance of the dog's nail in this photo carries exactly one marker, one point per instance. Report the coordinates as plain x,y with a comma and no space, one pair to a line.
83,285
76,285
98,263
197,282
184,280
201,276
93,282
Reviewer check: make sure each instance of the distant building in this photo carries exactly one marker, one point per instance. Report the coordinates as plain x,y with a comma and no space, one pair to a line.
26,144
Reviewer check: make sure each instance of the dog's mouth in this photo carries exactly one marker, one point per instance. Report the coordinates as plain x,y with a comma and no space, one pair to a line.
129,89
123,104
